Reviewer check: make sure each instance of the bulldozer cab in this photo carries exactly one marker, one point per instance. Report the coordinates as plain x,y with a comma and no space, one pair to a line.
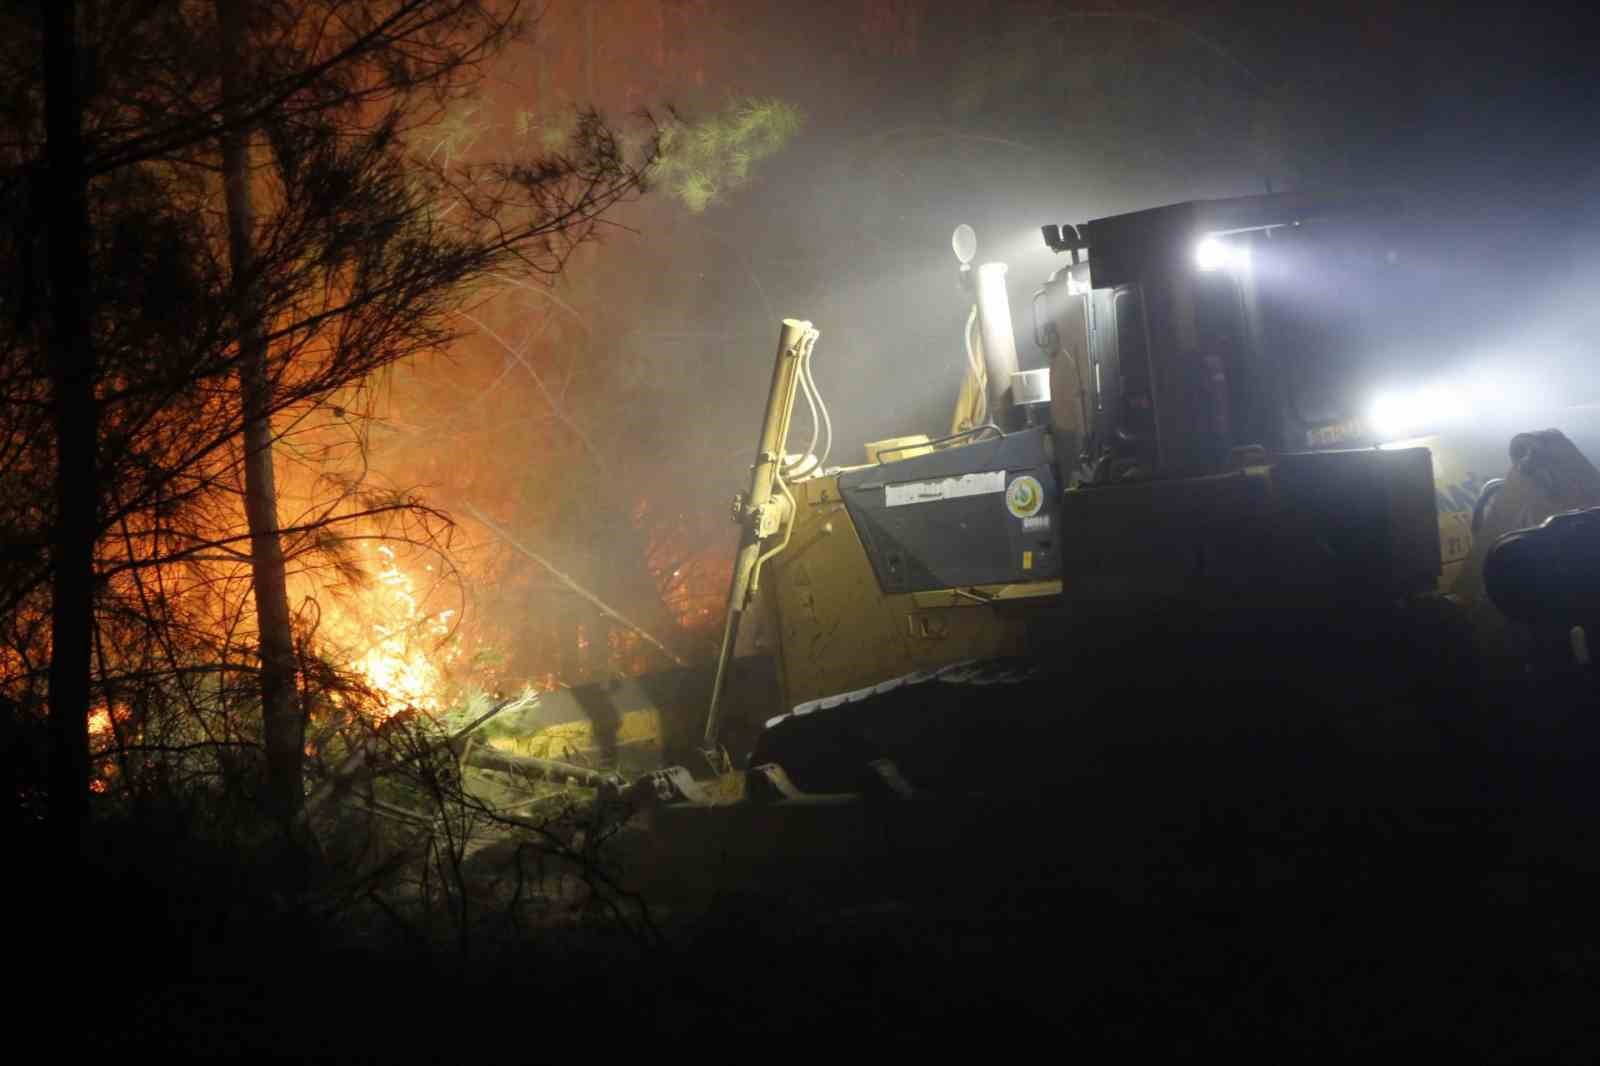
1211,359
1187,339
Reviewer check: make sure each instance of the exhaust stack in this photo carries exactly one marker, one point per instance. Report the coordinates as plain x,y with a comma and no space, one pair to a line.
999,343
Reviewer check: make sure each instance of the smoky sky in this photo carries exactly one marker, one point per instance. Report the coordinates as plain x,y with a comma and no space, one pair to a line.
1022,114
1009,116
919,116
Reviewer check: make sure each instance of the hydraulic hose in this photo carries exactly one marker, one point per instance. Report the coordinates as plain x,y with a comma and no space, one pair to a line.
980,377
827,422
808,390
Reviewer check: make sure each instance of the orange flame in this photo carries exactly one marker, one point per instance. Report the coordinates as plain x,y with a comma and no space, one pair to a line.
397,647
100,719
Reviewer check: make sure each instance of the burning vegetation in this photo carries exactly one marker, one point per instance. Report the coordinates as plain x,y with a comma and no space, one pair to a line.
246,587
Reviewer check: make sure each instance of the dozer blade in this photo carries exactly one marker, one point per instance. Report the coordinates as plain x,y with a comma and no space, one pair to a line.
646,726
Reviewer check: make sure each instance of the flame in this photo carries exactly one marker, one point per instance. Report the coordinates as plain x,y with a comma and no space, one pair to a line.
397,647
100,719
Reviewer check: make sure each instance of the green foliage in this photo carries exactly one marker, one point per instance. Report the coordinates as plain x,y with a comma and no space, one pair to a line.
700,162
554,131
456,133
553,127
467,708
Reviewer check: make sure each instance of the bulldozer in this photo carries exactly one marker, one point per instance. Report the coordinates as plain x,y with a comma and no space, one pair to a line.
1194,468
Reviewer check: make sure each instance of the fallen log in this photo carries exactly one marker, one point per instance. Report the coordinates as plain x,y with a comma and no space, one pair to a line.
363,762
487,758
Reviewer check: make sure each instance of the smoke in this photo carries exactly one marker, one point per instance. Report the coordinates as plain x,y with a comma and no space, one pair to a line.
1005,119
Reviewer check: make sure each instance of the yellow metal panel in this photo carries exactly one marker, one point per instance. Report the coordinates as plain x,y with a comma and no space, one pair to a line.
837,630
983,595
967,634
1450,474
898,448
569,741
821,490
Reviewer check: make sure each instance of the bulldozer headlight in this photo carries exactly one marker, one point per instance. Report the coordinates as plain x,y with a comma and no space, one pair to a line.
1397,415
1215,254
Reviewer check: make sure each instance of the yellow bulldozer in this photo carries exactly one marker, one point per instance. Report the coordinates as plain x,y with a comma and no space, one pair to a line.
1198,464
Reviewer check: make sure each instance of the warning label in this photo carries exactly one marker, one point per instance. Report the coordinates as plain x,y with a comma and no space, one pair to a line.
949,488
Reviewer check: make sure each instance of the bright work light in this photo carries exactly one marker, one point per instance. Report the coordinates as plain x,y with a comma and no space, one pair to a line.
1396,415
1214,254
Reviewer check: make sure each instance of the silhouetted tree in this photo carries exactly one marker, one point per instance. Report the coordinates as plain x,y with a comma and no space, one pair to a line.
348,252
76,418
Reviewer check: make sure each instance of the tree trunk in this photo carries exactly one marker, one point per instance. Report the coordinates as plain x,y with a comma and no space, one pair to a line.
283,725
77,423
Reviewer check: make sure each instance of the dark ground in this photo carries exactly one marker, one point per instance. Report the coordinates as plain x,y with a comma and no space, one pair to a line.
1170,931
1397,866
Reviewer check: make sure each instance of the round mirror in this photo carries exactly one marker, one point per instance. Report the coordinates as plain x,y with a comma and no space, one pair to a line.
965,243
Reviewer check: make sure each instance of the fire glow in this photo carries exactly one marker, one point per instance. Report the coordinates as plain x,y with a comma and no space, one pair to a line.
396,647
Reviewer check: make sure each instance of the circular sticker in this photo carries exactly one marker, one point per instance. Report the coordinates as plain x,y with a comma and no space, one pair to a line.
1024,496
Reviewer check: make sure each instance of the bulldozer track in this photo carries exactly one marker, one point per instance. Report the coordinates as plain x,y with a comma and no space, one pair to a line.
840,731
